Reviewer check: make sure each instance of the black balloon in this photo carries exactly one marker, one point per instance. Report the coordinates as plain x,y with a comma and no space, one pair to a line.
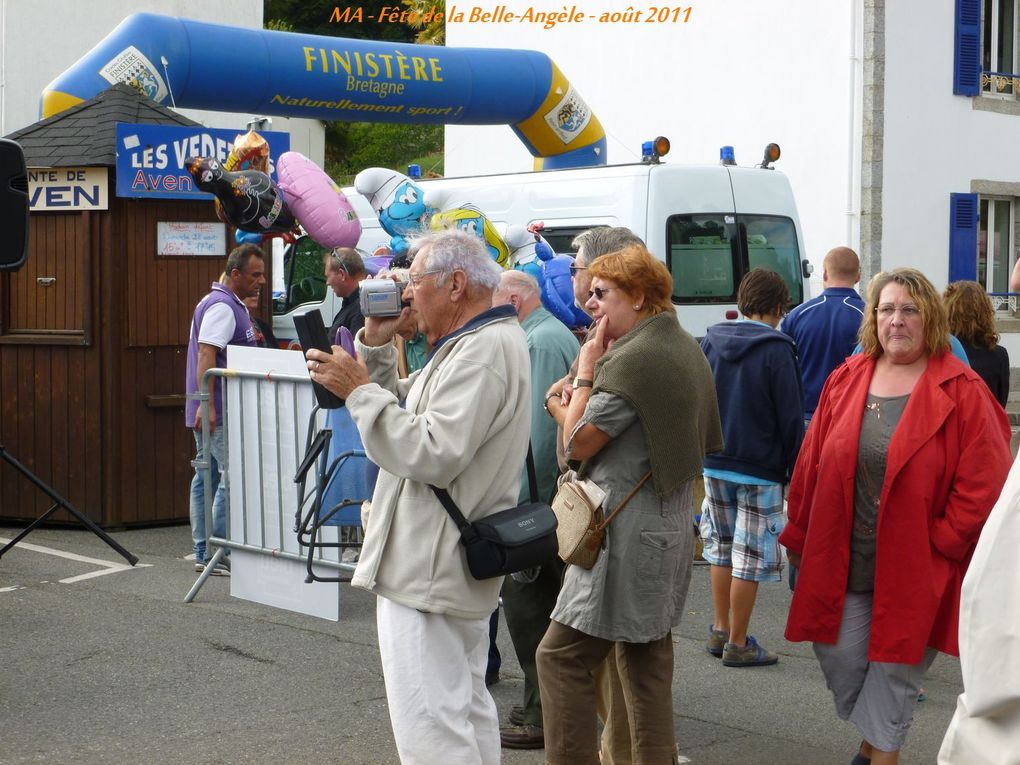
249,200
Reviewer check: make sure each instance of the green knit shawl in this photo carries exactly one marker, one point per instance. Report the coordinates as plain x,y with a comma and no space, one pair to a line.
662,372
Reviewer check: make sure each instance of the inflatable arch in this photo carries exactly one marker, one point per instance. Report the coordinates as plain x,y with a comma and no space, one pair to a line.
192,64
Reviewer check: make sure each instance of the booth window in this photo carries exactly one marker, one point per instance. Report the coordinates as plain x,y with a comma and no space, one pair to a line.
48,301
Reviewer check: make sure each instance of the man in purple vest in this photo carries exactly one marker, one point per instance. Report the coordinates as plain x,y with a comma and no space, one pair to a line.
221,319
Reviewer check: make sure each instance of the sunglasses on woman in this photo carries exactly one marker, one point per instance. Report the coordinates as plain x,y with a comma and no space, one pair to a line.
599,293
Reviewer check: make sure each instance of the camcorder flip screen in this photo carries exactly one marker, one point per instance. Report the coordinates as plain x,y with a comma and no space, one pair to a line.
311,333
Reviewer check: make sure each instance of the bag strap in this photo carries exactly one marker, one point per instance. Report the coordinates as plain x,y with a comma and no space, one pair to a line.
532,476
467,531
619,507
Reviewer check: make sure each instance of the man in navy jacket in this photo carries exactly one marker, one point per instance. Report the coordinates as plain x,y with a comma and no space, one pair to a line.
825,328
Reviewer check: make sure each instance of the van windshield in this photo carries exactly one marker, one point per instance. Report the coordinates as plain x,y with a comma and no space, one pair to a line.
304,279
708,254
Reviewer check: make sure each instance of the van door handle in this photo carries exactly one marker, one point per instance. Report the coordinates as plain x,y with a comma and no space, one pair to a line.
45,281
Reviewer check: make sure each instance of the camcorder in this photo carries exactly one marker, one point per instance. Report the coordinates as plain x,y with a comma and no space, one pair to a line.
381,297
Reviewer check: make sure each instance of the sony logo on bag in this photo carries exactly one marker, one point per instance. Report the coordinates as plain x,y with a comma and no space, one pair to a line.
526,522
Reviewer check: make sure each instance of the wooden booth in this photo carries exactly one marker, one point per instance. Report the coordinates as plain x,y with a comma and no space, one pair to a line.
94,328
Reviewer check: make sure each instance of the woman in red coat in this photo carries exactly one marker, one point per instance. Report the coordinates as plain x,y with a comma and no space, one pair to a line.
905,457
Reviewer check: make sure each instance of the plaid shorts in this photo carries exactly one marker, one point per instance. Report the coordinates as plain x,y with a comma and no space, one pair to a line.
740,526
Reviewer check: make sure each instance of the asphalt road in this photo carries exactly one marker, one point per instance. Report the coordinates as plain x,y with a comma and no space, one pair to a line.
118,669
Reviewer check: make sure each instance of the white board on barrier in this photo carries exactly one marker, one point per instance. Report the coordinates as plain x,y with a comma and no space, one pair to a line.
267,430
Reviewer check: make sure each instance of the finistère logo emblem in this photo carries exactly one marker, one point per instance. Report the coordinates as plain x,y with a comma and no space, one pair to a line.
569,117
132,67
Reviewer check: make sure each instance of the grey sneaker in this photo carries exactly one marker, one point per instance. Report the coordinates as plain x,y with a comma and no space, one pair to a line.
716,641
750,655
220,569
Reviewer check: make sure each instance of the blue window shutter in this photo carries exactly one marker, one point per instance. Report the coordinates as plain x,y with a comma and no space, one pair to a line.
967,52
963,227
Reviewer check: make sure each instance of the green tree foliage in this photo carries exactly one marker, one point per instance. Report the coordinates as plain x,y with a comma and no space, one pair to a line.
353,146
432,32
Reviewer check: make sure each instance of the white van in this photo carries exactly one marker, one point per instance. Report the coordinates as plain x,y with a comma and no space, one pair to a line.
710,224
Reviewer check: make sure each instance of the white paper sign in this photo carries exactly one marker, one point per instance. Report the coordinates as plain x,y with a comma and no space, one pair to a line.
181,238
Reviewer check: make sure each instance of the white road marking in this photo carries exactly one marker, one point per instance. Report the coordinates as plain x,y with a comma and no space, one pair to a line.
108,567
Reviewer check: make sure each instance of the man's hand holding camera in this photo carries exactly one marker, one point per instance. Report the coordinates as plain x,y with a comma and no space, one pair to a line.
337,372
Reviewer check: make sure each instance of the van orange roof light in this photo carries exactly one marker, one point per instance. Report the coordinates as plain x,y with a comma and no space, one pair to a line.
771,155
651,151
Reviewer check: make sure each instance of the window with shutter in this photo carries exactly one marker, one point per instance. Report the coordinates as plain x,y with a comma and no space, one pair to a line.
963,223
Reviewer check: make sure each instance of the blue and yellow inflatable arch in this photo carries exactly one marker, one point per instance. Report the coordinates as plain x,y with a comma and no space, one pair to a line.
223,68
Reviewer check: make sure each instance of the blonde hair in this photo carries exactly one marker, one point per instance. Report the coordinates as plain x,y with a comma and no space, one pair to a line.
928,301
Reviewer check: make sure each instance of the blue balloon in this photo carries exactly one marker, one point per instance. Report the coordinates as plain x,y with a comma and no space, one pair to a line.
558,292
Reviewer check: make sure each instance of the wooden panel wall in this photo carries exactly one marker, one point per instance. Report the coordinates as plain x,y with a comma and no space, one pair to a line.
50,421
50,379
163,291
87,400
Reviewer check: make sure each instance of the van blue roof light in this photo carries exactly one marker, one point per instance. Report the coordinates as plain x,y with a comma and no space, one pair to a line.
414,171
726,156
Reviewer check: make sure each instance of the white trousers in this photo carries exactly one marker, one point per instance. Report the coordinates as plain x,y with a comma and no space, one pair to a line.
434,668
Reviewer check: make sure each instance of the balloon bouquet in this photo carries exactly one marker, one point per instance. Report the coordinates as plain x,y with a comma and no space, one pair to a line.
247,198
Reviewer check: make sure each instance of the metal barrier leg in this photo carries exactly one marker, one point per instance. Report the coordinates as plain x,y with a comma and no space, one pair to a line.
206,573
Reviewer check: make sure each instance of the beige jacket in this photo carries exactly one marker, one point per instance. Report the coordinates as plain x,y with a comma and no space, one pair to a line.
464,428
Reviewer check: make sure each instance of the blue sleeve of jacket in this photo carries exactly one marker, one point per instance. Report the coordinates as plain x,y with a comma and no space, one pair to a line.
788,396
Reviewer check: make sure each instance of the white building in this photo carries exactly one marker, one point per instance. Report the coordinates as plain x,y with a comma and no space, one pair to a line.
39,39
859,94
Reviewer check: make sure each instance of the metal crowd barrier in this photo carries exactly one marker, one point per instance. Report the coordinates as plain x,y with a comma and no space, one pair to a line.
270,403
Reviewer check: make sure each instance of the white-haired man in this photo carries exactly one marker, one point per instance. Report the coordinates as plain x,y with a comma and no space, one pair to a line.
466,418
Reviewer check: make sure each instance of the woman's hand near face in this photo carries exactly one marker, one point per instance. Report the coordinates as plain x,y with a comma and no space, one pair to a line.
592,351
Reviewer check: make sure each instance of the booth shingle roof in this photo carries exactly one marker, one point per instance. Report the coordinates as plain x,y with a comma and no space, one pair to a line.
86,135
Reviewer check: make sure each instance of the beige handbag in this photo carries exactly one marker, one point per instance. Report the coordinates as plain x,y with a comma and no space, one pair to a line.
580,526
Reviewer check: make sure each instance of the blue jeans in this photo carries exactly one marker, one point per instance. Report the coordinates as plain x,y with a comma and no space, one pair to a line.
219,516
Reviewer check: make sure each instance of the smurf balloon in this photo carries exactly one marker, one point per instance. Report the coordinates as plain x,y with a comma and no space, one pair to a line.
397,200
317,202
249,200
528,250
469,218
558,292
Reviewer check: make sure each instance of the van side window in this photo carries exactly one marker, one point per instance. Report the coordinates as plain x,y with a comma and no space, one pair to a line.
560,237
709,254
304,280
703,258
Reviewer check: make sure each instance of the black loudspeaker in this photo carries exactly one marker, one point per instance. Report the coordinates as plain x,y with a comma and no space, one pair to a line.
13,206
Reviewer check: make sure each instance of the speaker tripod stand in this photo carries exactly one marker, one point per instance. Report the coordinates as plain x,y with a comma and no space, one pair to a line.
59,503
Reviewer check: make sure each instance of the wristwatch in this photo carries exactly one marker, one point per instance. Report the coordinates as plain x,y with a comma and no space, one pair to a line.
580,382
548,398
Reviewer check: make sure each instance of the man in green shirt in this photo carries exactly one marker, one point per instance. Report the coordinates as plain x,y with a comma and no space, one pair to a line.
527,604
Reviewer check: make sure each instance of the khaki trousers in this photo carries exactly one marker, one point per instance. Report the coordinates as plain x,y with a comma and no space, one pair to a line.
567,660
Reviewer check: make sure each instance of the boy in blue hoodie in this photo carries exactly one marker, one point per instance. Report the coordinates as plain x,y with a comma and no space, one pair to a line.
757,380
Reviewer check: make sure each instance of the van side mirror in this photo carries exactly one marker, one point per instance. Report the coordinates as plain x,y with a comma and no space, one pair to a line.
807,268
13,206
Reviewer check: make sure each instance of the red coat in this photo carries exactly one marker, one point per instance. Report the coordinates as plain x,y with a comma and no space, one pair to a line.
946,463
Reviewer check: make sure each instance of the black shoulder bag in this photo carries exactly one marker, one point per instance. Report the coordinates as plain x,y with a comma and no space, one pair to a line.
510,540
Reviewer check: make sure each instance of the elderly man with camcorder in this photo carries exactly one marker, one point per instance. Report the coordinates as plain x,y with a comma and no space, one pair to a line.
464,428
